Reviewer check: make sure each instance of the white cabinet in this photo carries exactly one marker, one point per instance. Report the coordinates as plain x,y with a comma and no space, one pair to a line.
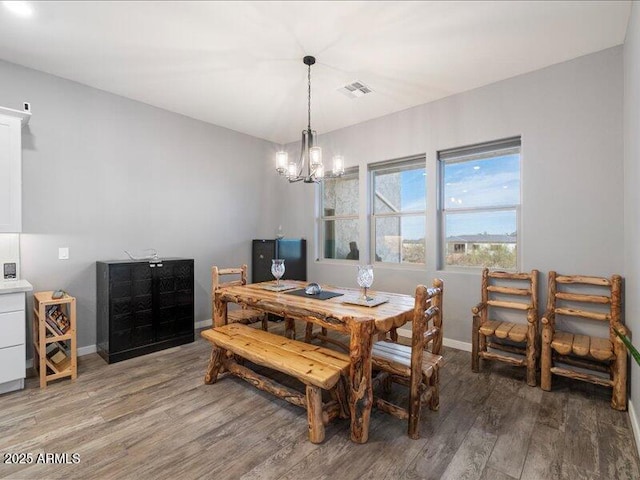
12,342
11,122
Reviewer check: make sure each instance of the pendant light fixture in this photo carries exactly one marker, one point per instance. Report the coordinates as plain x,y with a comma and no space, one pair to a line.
309,168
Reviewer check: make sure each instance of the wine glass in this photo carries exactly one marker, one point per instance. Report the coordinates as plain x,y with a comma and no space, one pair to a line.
277,269
365,279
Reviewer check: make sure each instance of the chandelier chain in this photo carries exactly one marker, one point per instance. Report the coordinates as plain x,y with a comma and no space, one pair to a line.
309,103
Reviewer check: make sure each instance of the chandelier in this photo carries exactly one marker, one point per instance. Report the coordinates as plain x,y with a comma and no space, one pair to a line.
310,153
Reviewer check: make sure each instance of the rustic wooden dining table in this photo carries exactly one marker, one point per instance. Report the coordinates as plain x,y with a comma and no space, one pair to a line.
361,323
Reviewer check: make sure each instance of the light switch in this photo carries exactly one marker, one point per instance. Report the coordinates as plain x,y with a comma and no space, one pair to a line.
63,253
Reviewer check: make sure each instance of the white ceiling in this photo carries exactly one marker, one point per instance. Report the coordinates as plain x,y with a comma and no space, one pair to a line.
239,64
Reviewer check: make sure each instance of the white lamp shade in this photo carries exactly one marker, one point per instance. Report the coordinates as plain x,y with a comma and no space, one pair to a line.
293,170
338,165
282,161
315,156
319,172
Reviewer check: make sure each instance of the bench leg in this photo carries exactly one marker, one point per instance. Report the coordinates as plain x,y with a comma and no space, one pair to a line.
265,322
290,328
215,363
314,414
339,394
324,334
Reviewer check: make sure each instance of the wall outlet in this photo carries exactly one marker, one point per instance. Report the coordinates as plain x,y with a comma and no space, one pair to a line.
63,253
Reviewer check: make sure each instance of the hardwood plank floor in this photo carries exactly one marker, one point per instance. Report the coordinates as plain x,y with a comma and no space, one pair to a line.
152,417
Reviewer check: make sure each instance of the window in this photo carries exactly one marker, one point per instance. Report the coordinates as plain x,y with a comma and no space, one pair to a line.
459,248
339,216
399,199
480,204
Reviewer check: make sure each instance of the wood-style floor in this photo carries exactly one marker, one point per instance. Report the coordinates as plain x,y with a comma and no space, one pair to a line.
153,418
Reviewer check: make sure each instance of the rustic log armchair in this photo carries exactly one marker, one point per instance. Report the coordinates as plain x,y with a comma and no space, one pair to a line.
412,365
579,297
242,315
518,294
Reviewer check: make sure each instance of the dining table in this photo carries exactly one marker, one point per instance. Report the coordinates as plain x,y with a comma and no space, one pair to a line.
362,323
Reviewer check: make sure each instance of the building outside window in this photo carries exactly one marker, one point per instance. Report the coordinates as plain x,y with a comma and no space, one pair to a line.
398,211
480,205
339,217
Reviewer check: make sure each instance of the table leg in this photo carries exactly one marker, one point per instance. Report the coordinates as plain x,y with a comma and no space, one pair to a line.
289,328
360,388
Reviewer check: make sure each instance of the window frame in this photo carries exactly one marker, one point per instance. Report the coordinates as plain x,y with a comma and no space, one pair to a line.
467,154
404,163
352,172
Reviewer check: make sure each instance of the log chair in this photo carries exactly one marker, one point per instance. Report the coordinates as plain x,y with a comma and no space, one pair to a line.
244,314
412,366
518,293
576,296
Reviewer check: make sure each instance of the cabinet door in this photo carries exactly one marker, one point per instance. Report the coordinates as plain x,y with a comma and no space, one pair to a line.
183,323
131,308
174,299
142,305
11,179
120,308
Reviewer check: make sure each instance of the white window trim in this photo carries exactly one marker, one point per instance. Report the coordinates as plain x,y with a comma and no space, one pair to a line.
442,211
352,172
373,168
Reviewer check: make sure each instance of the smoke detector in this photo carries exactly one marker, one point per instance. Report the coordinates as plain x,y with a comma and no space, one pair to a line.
355,90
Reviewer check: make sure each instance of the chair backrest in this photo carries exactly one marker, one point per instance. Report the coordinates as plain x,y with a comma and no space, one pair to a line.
216,273
581,296
427,309
515,291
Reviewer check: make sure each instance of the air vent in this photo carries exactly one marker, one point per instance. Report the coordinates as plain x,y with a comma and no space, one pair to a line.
355,90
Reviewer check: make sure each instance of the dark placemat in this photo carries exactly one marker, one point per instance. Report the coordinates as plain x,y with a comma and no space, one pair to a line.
318,296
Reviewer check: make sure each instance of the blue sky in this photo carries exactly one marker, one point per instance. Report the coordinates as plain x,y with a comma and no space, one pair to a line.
486,182
489,182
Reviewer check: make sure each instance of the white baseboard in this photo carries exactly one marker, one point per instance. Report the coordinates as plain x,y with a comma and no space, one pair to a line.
634,425
447,342
204,323
89,349
457,344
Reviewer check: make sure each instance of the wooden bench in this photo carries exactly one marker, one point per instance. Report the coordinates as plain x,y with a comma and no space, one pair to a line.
318,368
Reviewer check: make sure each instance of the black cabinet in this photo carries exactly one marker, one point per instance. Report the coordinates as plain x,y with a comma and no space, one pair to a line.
143,307
293,251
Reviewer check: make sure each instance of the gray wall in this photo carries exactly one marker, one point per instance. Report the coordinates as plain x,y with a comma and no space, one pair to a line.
102,173
631,190
570,119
